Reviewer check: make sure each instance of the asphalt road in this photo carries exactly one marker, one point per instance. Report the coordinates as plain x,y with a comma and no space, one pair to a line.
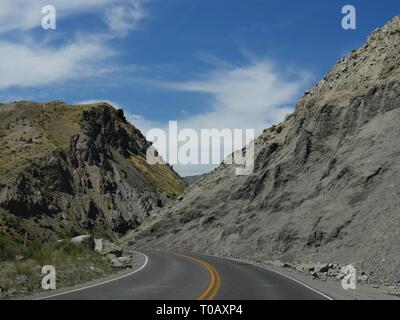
169,276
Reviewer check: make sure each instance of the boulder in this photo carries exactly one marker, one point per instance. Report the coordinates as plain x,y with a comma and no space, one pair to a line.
363,277
85,240
107,248
122,262
98,245
323,268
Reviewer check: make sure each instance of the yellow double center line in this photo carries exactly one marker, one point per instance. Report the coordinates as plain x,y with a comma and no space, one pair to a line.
215,279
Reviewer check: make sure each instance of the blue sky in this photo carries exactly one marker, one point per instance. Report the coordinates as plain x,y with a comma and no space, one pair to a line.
216,63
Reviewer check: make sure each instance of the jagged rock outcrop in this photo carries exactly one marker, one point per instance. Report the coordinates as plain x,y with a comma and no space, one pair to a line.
326,183
68,169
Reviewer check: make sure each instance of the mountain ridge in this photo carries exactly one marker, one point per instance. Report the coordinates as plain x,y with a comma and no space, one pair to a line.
68,170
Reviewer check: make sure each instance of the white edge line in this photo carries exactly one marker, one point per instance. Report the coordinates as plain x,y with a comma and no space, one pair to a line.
302,283
269,269
98,284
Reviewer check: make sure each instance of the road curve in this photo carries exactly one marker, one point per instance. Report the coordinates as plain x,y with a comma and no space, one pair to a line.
171,276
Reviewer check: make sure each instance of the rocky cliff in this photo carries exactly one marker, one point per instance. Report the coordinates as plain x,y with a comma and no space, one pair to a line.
65,170
326,183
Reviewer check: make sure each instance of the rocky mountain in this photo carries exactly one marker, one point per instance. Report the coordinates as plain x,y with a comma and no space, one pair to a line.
326,182
67,170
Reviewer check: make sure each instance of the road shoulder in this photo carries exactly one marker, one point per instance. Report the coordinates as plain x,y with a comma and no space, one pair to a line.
329,287
140,262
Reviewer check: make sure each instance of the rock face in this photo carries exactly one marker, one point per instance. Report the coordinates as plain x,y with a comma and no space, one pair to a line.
326,183
85,240
66,169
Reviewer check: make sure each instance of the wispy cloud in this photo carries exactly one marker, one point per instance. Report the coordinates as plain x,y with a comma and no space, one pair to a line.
24,65
253,96
26,62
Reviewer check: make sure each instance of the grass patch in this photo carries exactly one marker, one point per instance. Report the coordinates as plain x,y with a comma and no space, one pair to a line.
160,175
20,266
43,252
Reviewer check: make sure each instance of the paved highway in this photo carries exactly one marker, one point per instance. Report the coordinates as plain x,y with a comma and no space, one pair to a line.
170,276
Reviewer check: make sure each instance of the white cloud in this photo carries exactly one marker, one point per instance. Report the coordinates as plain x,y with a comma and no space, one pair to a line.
22,15
24,65
248,97
255,92
29,63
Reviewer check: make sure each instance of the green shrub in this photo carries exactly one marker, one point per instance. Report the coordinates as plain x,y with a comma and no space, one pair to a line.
39,251
9,247
70,248
33,250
